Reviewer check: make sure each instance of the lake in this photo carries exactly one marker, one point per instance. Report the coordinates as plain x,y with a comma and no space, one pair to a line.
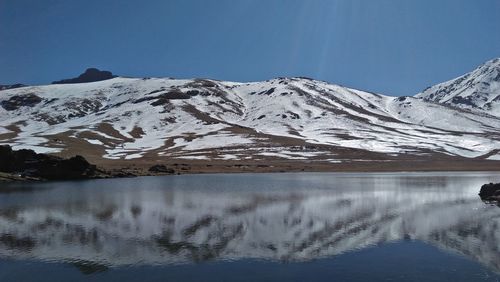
252,227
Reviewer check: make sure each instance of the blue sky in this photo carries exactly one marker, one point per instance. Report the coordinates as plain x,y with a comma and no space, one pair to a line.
394,47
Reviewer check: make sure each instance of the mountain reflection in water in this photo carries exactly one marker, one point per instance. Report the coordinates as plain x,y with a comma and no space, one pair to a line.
282,217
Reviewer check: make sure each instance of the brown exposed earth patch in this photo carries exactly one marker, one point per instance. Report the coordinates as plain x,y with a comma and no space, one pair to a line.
137,132
15,130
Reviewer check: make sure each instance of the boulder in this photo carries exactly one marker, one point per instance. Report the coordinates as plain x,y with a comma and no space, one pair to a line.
490,192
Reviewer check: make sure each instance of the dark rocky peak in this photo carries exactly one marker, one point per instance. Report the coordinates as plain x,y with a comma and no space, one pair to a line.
11,86
90,75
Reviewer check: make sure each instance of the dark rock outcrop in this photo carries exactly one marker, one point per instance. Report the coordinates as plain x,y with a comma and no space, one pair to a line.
14,102
490,192
164,98
161,169
90,75
42,166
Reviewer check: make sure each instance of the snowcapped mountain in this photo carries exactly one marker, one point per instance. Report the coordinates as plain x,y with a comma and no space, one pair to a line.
479,89
155,119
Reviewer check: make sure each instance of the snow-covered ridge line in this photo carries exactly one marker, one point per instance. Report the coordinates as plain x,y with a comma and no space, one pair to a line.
284,118
479,89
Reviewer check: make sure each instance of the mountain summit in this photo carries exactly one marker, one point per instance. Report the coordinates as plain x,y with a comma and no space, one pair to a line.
479,89
90,75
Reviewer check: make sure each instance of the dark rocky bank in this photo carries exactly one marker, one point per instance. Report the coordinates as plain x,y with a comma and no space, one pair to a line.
26,164
161,169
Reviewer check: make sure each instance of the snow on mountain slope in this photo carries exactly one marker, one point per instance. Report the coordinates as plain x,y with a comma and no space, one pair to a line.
479,89
284,118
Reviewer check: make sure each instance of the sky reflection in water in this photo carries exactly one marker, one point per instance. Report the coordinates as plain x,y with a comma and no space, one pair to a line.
292,218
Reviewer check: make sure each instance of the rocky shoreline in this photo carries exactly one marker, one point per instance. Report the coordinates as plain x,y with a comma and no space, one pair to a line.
27,165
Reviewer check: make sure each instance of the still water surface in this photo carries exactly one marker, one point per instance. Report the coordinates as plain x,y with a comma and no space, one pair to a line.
252,227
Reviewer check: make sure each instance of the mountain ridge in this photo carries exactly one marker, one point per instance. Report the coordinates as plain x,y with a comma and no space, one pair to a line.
479,89
153,120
